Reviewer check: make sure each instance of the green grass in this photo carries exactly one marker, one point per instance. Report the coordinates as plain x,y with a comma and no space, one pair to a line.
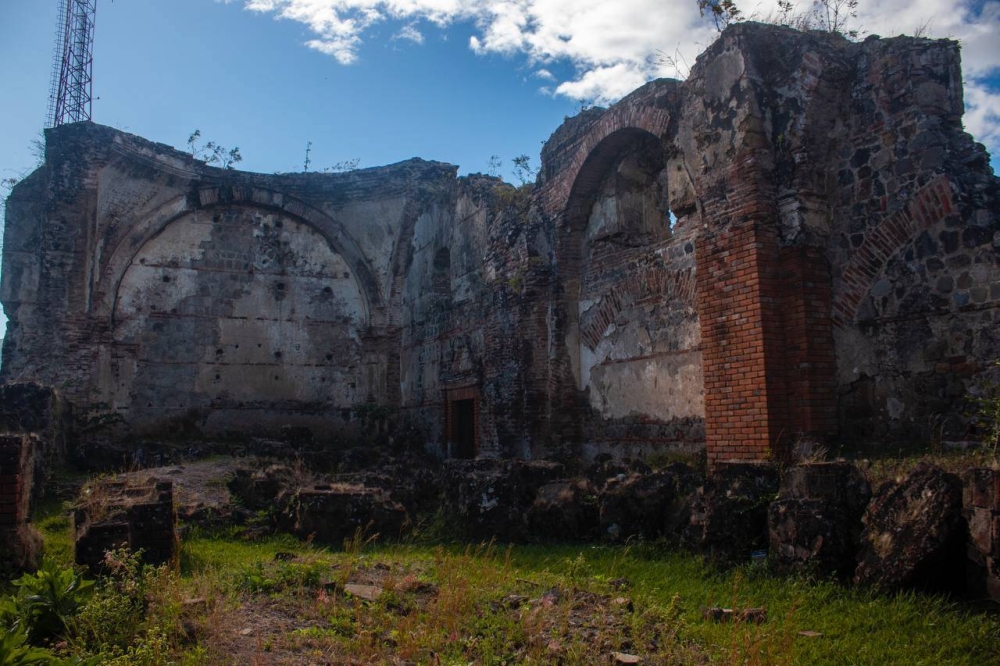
858,626
452,603
53,521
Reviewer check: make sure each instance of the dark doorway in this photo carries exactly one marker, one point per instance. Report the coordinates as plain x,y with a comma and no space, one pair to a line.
463,428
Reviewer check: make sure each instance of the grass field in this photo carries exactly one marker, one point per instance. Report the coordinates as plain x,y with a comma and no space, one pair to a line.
279,600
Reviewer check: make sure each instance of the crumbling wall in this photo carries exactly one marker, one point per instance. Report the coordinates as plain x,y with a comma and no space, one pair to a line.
225,307
805,168
623,335
443,309
798,241
169,296
915,245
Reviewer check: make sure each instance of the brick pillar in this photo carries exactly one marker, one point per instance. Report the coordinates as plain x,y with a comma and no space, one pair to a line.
809,352
741,339
767,342
20,546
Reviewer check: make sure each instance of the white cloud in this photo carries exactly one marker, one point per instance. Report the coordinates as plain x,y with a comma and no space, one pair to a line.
982,114
610,42
410,33
604,85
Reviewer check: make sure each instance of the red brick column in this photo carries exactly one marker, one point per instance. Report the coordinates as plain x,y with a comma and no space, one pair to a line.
740,338
808,348
767,342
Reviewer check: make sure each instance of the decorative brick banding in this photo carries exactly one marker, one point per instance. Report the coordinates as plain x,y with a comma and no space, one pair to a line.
654,282
929,205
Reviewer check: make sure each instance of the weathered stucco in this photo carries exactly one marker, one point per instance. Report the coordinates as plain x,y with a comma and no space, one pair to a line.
798,240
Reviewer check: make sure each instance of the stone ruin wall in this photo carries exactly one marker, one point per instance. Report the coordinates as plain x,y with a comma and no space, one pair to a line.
799,240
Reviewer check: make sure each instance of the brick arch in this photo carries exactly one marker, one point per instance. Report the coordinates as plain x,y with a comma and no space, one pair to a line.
587,179
652,283
631,119
929,205
106,289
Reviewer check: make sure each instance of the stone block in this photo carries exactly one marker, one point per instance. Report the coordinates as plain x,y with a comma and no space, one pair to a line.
913,534
334,513
486,499
838,482
729,518
981,523
27,408
20,548
92,544
650,505
993,584
119,514
816,521
811,534
564,511
981,488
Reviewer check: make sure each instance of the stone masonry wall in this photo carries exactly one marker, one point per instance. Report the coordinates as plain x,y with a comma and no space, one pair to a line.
915,248
151,288
797,242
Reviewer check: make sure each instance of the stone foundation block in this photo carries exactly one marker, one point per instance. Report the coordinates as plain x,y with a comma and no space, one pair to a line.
114,515
913,533
648,505
816,520
486,499
729,519
331,514
981,489
564,511
981,510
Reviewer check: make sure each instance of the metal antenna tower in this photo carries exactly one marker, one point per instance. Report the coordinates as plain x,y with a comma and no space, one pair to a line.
72,81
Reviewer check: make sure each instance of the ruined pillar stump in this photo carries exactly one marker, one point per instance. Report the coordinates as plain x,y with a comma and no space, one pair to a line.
20,545
816,520
117,514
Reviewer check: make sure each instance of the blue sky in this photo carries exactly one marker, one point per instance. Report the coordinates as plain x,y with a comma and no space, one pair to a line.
386,80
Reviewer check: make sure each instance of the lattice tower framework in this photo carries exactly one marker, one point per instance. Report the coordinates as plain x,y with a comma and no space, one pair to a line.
71,94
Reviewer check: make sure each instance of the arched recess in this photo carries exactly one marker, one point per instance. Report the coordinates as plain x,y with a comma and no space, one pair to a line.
339,240
626,163
622,117
631,327
242,313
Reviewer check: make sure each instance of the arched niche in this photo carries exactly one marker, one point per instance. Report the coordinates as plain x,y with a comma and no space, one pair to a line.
146,227
632,331
237,310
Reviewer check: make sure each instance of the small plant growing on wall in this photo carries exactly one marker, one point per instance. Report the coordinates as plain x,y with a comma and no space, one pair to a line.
493,166
213,153
523,170
343,165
